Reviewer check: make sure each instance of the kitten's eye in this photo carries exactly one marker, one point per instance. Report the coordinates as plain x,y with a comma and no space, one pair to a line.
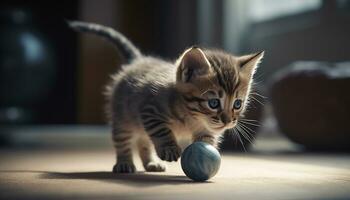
237,104
213,103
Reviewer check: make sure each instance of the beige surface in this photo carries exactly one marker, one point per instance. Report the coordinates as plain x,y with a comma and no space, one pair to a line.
74,174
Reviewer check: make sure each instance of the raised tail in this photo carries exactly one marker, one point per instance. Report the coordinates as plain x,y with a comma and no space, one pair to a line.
127,50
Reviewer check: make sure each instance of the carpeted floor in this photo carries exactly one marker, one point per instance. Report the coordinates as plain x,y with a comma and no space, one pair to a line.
84,173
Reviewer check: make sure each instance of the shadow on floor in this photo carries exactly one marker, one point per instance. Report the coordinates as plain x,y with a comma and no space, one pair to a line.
138,179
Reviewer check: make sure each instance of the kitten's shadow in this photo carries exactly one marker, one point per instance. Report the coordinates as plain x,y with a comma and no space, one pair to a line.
137,179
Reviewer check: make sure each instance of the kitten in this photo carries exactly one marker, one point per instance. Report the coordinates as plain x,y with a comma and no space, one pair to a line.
154,103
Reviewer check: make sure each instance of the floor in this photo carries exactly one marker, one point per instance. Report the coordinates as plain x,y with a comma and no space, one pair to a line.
70,167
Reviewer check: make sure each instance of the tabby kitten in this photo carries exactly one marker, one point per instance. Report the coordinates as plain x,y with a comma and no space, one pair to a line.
154,103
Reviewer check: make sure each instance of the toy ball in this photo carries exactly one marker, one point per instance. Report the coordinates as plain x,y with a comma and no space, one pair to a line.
200,161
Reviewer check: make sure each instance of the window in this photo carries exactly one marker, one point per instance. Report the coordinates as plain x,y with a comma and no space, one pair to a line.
262,10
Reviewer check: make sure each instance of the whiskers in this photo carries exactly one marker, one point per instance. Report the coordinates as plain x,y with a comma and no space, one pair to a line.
236,135
249,122
257,97
243,128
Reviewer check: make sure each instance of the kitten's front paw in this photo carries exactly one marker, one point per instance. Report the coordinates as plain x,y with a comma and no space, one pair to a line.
169,153
124,167
155,167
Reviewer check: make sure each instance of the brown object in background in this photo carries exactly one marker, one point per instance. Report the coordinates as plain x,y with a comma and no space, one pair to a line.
254,112
161,28
97,59
311,101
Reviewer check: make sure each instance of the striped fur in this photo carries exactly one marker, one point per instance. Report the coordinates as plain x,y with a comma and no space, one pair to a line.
151,103
154,105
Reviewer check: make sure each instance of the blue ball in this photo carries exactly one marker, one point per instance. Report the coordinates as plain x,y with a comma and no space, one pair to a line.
200,161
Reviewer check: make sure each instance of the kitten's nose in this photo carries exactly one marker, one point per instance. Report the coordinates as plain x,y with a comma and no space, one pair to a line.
225,118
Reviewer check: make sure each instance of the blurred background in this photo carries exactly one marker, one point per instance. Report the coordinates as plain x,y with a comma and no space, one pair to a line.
52,78
54,141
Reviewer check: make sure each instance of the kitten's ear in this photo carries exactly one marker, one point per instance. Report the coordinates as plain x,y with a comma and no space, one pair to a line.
249,63
191,64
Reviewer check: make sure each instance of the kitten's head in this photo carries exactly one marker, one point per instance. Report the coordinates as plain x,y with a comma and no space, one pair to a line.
215,85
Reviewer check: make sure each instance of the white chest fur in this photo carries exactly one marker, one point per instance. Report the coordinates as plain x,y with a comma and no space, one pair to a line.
184,132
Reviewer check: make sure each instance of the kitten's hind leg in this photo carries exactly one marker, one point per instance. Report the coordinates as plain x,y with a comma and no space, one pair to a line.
148,156
123,145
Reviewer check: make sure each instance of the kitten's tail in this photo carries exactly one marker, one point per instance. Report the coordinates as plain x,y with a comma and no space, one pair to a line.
127,50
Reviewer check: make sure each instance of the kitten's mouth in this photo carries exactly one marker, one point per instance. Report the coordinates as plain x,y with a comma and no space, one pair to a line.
223,127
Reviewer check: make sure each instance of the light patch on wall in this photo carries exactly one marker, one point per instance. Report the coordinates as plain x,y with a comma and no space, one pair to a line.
261,10
31,46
